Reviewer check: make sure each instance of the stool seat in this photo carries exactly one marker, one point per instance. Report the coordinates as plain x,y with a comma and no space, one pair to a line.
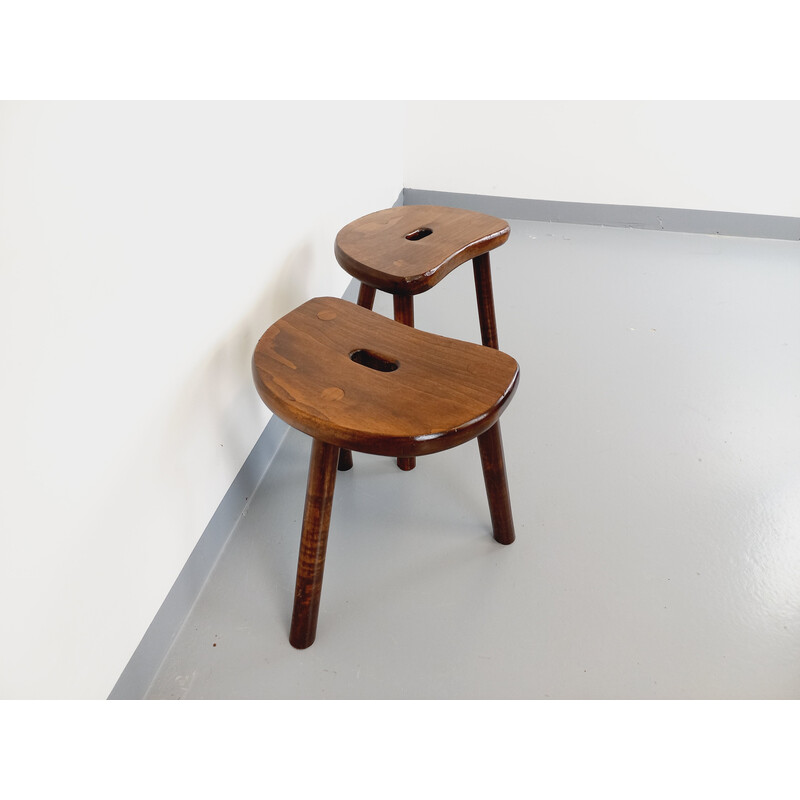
351,378
409,249
357,380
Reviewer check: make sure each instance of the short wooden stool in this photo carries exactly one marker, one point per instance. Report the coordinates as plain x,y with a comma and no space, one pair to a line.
409,249
349,377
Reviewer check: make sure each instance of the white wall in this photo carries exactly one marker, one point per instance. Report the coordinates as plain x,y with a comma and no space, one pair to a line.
143,250
716,156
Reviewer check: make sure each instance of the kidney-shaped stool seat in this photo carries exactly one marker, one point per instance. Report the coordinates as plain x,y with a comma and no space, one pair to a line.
409,249
351,378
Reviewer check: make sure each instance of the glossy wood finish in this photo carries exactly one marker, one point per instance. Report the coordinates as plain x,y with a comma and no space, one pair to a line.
404,309
409,249
376,249
351,378
483,291
493,462
404,313
366,299
345,459
442,392
366,296
313,543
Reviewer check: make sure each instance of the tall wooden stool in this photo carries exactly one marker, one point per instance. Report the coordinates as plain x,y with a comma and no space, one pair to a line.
409,249
349,377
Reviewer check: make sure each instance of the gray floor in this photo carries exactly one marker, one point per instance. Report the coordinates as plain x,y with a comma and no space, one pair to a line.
652,451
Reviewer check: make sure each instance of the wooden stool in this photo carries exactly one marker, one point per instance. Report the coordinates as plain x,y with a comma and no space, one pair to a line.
409,249
349,377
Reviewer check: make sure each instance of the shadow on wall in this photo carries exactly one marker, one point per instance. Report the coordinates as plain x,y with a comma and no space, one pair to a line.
290,287
185,457
176,472
218,407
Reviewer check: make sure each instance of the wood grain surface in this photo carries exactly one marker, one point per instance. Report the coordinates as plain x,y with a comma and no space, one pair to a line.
387,249
442,392
313,543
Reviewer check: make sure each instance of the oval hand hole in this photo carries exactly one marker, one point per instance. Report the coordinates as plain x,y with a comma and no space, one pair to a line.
374,361
419,233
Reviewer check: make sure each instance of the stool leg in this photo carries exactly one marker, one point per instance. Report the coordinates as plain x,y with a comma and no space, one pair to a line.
494,475
483,290
404,312
366,299
313,543
366,296
404,309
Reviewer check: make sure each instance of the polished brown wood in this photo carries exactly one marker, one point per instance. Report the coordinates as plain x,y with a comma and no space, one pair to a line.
483,290
366,296
345,460
351,378
404,313
386,250
493,462
366,299
404,309
407,250
441,392
313,543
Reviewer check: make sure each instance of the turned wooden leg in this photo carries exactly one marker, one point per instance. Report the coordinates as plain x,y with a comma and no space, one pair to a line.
494,476
404,312
366,299
366,296
313,543
404,309
483,291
